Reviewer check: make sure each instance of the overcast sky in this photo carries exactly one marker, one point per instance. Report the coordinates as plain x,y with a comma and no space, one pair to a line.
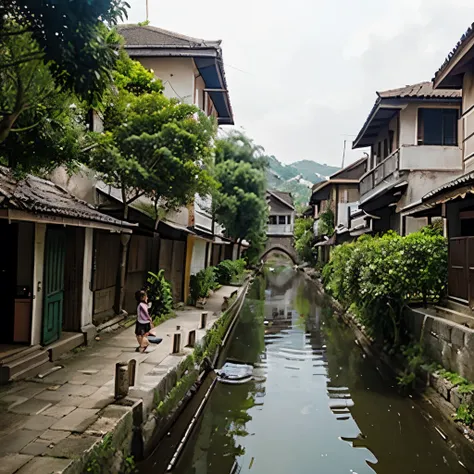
302,74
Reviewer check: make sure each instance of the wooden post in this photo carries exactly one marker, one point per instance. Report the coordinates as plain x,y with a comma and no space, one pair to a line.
176,343
203,322
121,380
132,370
192,338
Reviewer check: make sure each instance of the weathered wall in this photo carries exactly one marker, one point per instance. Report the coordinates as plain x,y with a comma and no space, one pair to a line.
284,244
445,342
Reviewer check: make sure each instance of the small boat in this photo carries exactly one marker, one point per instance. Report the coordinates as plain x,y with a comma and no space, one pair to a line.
232,373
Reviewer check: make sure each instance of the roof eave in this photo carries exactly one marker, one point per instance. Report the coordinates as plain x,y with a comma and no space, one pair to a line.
445,78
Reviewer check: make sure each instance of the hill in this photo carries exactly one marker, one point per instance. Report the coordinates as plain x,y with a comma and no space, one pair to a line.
297,178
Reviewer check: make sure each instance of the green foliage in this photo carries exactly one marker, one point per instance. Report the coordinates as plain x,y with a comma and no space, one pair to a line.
414,360
159,294
304,238
63,32
465,414
453,377
239,203
202,283
229,271
176,394
326,223
380,275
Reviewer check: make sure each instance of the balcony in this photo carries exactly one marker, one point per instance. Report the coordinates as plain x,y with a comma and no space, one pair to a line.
280,229
381,172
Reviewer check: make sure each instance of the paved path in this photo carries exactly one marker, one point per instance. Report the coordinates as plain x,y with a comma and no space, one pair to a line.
43,422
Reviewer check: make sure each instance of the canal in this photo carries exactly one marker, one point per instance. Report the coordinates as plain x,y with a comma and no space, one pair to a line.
318,405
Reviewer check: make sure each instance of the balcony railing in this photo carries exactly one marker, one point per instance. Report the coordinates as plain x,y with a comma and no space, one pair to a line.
280,229
382,171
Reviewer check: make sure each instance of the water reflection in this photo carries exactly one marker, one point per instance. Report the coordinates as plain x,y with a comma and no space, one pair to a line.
322,406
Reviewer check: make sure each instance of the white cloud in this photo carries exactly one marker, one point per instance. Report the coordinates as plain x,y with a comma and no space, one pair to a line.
311,67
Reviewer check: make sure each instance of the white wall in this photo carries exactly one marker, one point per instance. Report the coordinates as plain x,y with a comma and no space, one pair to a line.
422,182
81,184
468,120
87,294
38,270
440,158
199,256
177,75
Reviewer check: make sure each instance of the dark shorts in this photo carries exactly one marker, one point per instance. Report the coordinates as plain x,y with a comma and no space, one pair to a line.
141,329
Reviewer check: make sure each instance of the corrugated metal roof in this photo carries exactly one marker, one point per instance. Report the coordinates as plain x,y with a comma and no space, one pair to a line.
36,195
455,51
422,90
455,183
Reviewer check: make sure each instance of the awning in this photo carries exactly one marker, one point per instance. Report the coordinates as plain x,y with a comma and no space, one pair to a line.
383,197
219,240
177,226
330,241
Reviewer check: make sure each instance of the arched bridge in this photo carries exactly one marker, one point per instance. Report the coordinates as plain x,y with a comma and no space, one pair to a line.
280,244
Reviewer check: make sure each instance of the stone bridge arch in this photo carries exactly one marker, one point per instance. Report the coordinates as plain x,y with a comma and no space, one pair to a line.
280,244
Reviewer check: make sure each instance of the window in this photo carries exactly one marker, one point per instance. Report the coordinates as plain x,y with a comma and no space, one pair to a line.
438,127
272,220
385,148
379,153
282,220
391,136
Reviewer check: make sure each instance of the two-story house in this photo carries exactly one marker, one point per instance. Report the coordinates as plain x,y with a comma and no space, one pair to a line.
454,200
340,194
191,70
414,142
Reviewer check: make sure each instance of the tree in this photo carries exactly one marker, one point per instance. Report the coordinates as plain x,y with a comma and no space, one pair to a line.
304,238
236,146
159,151
239,204
68,39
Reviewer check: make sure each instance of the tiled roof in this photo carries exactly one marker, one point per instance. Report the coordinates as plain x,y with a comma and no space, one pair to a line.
136,35
464,38
285,197
422,90
36,195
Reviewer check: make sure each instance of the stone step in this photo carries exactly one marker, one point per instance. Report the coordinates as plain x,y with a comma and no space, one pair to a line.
67,343
32,371
20,354
458,307
454,316
18,366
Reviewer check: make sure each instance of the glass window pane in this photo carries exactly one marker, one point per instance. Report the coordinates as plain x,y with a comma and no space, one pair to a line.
450,127
282,220
433,126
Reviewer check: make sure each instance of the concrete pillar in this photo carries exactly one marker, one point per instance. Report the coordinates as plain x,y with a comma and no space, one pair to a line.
87,326
38,271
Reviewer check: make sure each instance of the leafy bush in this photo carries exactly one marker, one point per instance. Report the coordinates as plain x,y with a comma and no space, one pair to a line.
381,275
202,283
465,414
230,270
326,223
160,295
304,238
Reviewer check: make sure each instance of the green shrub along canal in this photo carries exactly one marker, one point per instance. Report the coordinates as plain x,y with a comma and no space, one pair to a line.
318,405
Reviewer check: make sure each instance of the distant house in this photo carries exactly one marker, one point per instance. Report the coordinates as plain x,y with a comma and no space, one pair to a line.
340,194
282,213
415,147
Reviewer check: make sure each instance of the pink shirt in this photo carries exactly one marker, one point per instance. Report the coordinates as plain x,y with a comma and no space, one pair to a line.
142,314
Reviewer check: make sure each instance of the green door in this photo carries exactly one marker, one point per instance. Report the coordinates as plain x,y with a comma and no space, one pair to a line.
53,284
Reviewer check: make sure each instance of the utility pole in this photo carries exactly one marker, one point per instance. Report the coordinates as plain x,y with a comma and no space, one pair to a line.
146,18
344,153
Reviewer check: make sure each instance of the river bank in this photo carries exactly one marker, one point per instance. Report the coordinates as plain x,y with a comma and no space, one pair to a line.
434,392
69,421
